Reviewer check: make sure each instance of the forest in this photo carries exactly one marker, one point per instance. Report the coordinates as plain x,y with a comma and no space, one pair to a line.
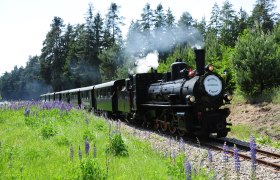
243,47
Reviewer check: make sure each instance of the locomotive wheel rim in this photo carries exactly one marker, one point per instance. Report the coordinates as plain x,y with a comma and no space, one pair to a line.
164,126
181,132
156,125
172,130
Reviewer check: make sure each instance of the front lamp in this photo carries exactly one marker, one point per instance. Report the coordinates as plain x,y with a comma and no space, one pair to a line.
190,98
209,68
227,97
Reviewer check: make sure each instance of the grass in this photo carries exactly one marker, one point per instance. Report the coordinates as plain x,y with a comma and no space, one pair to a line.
243,132
269,95
44,144
35,143
38,147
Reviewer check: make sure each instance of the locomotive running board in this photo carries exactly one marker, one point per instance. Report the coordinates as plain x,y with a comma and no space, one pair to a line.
165,106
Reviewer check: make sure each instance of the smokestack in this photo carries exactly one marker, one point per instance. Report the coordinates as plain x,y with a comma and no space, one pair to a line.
199,61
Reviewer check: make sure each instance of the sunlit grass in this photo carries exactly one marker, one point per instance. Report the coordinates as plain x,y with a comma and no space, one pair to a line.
243,132
269,95
27,153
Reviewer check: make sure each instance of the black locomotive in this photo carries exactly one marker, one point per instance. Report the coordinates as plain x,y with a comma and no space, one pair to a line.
179,101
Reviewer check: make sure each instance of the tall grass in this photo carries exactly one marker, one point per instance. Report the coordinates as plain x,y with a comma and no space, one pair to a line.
37,146
243,132
269,95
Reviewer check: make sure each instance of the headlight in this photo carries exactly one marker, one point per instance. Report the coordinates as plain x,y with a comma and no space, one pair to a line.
227,97
209,67
190,98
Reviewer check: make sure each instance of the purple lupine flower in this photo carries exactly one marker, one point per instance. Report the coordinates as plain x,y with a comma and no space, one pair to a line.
21,168
87,121
225,154
236,159
80,153
87,146
210,156
182,146
194,171
94,150
253,152
119,126
169,142
26,112
166,154
71,152
110,128
188,170
173,154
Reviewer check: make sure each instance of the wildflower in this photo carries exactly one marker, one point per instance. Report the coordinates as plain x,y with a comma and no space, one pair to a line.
253,153
198,142
236,160
26,112
110,128
86,146
94,150
210,156
225,150
21,168
71,152
87,120
119,126
188,170
182,145
80,153
166,154
173,155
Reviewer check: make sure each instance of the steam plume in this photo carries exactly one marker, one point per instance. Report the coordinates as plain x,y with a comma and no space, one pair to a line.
143,65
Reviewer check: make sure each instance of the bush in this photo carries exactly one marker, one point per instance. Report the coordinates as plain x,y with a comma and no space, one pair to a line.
256,62
176,167
48,131
88,135
117,146
91,169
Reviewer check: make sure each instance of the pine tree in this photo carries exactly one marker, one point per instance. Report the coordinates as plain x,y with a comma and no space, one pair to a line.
262,15
52,57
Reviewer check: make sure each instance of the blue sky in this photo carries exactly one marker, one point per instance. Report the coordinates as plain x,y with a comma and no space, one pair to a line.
25,23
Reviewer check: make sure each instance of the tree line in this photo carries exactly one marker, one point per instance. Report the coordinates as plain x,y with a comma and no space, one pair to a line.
245,48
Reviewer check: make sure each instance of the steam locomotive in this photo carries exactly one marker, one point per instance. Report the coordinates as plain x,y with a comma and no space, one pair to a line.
180,101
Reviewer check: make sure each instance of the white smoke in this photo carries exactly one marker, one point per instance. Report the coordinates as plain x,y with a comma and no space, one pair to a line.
164,40
143,65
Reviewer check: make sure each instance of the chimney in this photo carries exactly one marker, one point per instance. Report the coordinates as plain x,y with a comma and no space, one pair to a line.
199,61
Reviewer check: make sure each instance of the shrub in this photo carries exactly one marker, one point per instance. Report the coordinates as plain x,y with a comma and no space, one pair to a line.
91,169
48,131
62,140
256,62
176,167
117,146
88,135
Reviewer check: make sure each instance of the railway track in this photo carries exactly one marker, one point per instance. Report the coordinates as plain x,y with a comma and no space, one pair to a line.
267,158
263,157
